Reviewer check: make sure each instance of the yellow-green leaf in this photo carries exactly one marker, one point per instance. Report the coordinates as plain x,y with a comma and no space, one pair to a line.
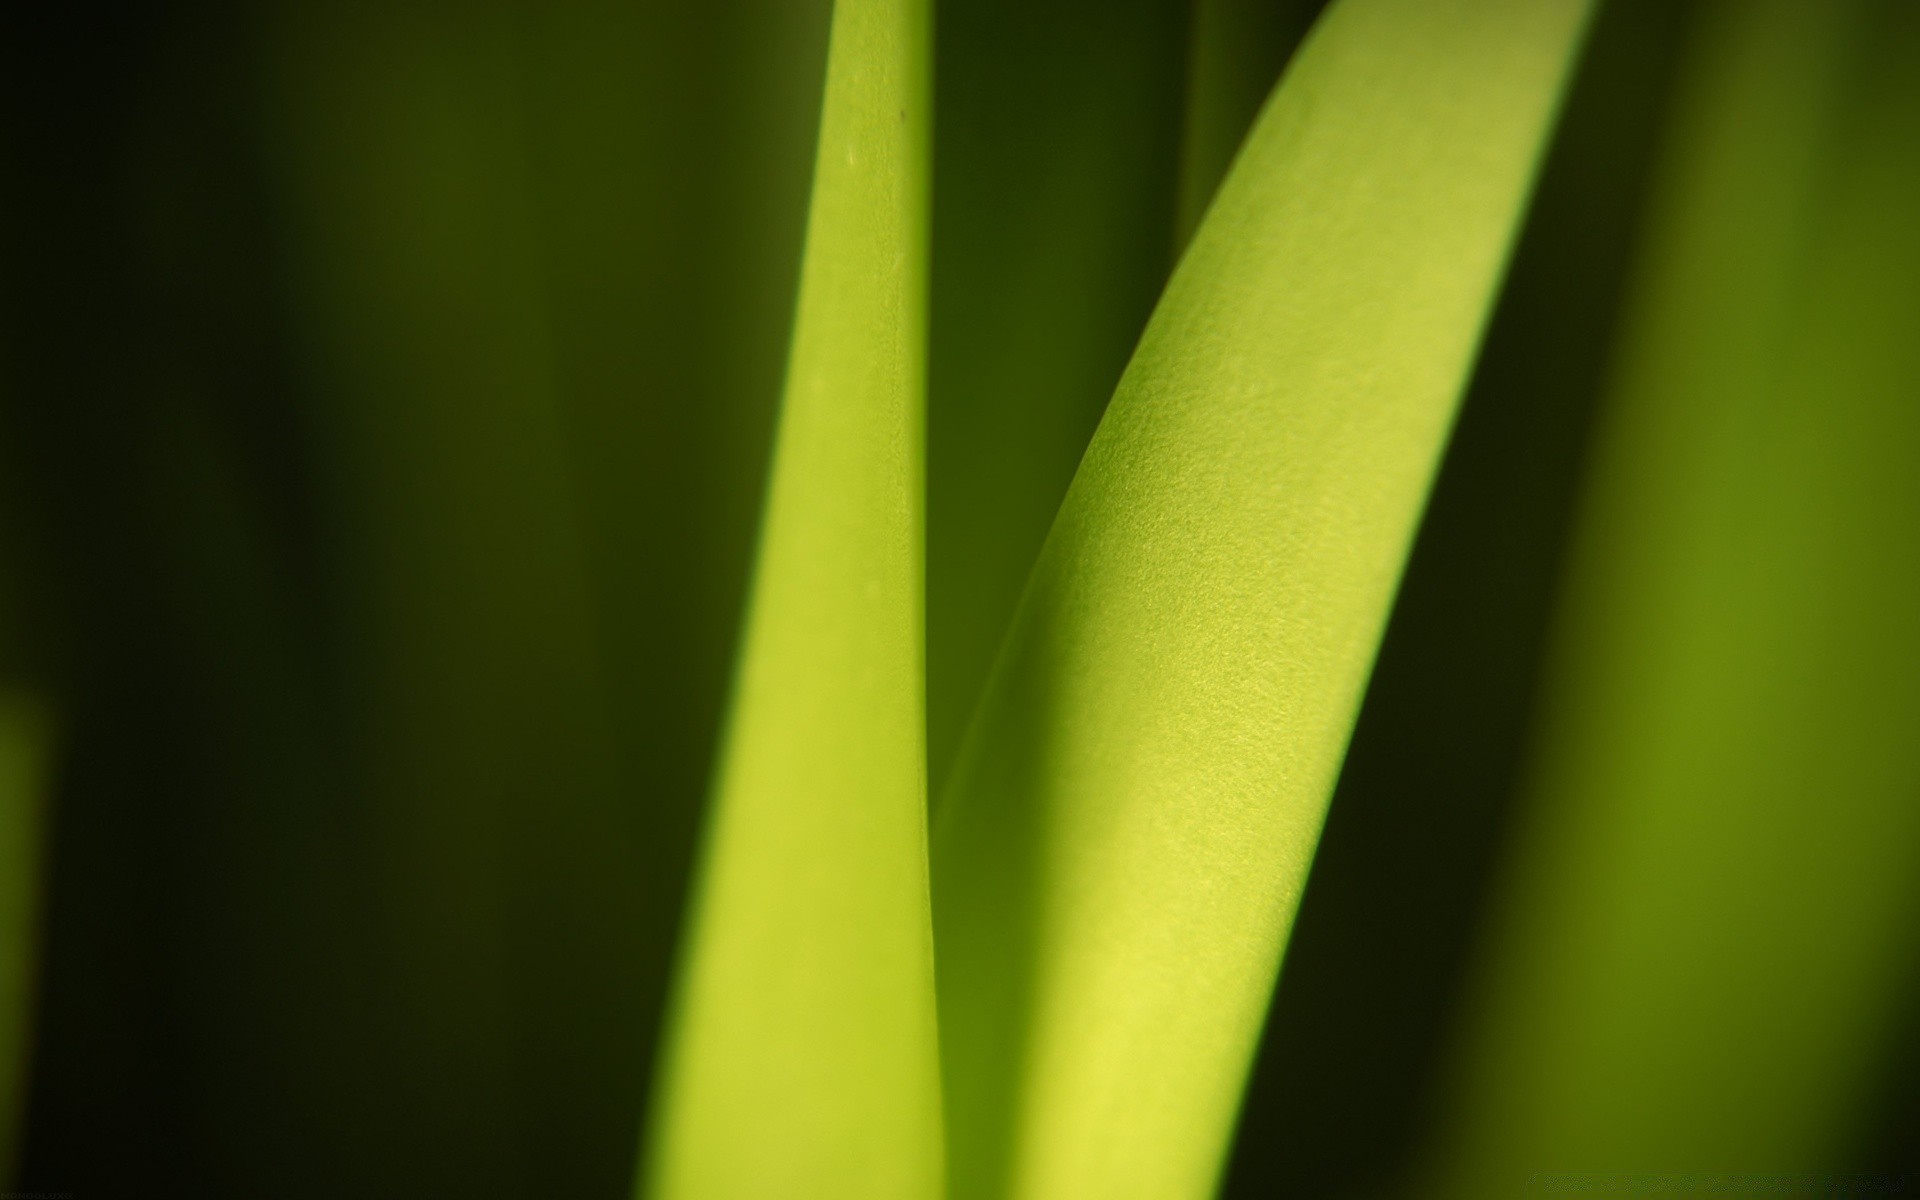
1125,837
804,1057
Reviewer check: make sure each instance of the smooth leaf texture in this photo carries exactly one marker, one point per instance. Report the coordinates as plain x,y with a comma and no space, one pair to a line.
23,738
1133,812
1713,894
804,1057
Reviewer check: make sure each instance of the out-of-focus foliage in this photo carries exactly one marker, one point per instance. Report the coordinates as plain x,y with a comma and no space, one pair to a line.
1355,1038
23,755
387,398
1718,873
805,1010
1235,49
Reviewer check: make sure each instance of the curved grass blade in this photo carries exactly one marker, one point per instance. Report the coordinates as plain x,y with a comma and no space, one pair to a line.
473,724
1719,879
804,1056
1126,834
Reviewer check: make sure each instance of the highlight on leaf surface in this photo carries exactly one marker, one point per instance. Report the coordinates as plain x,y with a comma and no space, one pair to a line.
804,1059
1711,903
1126,833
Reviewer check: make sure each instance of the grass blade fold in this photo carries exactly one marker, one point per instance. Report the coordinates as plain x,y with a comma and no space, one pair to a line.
1127,831
804,1061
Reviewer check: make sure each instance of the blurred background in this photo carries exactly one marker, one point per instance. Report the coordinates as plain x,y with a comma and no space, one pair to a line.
385,395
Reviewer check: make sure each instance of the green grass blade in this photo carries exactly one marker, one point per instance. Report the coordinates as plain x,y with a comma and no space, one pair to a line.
1130,823
804,1057
1716,886
23,747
